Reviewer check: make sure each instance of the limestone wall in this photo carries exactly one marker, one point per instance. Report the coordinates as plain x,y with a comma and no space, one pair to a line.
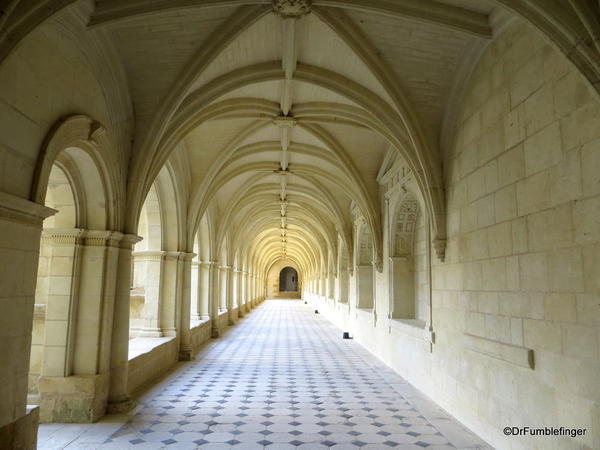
516,314
149,365
273,280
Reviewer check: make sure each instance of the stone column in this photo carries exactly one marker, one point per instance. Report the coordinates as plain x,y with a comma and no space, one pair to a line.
195,291
239,295
118,395
171,292
61,307
80,327
214,300
330,286
20,229
244,291
204,280
227,293
151,264
185,339
247,295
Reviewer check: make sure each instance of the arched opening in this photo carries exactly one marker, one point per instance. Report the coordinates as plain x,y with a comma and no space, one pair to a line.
144,312
364,275
55,267
201,273
402,262
342,278
288,280
70,321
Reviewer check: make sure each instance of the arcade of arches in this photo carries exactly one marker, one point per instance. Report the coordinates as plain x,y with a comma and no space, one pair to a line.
425,173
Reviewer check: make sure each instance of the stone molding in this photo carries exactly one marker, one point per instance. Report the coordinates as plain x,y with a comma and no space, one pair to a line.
23,211
292,9
94,238
63,236
513,354
285,122
129,240
148,255
439,245
87,238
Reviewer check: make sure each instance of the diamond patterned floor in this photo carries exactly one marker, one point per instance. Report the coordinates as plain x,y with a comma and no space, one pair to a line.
281,379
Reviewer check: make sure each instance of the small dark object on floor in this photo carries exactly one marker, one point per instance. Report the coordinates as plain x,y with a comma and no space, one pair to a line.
306,303
346,335
316,311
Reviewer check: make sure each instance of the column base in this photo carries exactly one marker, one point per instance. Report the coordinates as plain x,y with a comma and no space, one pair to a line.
185,355
74,399
214,332
121,407
22,433
150,332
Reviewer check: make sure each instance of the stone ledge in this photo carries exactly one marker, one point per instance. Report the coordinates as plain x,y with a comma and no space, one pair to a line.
199,323
412,327
22,210
513,354
141,345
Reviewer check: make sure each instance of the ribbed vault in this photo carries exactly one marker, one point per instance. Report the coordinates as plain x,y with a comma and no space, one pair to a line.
281,114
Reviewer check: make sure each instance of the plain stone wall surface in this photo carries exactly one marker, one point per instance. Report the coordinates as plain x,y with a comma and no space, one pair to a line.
151,364
522,261
51,80
523,253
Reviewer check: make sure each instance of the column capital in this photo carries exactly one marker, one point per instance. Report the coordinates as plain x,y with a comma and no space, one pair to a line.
101,238
129,240
187,256
225,267
64,236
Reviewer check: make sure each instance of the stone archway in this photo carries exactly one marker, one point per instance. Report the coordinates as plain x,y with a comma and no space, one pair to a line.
288,280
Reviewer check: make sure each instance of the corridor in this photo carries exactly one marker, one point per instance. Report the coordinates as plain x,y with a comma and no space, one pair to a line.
283,378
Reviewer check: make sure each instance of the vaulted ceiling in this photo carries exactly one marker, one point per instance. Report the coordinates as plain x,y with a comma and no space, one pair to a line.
286,109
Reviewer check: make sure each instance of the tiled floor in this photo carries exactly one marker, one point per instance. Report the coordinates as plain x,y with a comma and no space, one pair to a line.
281,379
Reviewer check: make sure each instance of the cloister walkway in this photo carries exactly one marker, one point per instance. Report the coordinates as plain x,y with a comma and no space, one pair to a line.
281,379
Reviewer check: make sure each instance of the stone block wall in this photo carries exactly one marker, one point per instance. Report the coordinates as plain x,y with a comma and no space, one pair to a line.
516,303
524,244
